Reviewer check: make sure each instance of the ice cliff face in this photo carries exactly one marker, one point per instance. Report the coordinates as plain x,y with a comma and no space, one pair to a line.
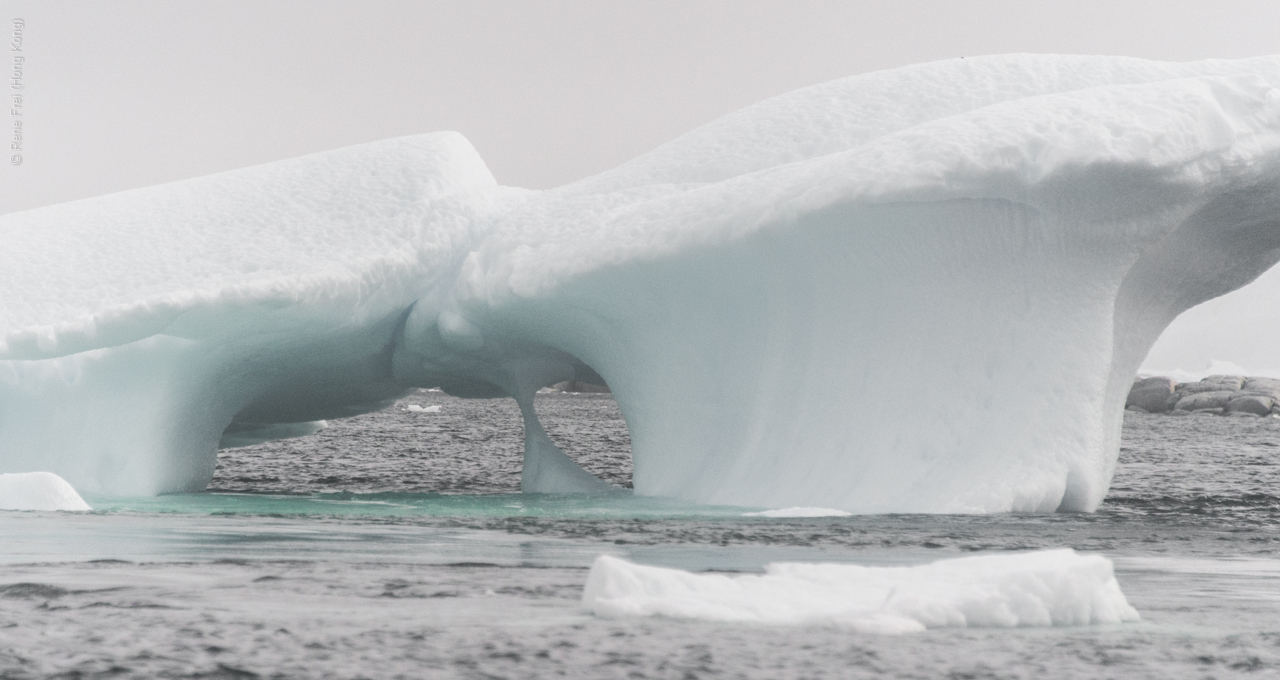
769,296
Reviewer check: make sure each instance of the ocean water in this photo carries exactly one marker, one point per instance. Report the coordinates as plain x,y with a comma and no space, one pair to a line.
396,545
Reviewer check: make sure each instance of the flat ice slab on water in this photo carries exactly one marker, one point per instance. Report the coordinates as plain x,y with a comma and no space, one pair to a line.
38,491
1044,588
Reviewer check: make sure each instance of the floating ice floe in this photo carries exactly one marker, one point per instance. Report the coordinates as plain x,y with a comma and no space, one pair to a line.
38,491
1046,588
799,512
918,290
418,408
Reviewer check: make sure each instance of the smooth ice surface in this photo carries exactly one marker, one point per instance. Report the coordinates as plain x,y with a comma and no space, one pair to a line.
38,491
1047,588
772,297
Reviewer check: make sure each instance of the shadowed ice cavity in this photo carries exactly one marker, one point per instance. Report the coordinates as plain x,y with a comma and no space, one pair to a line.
450,352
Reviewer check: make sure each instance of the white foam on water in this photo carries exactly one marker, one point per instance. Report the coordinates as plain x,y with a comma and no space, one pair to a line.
1044,588
38,491
799,512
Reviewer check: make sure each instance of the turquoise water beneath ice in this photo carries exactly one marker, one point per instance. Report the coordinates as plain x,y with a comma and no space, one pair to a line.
395,545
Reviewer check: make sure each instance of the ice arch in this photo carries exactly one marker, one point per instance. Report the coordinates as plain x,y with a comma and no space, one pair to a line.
774,298
1235,334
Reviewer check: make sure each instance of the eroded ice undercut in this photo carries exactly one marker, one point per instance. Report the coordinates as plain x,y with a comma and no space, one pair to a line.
775,298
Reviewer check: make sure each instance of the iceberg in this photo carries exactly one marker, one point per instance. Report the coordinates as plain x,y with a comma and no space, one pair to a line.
39,491
1045,588
772,298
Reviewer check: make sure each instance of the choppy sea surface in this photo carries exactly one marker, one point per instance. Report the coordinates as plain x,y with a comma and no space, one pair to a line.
397,545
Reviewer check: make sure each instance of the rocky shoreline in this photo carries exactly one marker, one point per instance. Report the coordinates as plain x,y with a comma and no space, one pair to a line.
1229,395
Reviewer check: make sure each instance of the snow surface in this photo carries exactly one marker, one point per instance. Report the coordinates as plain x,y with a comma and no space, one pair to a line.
38,491
773,298
1046,588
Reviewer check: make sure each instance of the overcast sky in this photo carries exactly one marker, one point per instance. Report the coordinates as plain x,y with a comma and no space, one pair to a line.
126,94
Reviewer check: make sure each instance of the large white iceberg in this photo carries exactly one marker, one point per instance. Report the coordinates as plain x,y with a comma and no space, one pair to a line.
1046,588
774,298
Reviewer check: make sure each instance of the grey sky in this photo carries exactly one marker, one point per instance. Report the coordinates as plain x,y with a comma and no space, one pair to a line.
127,94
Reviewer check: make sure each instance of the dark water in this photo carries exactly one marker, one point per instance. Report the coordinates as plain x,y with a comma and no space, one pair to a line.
471,446
396,545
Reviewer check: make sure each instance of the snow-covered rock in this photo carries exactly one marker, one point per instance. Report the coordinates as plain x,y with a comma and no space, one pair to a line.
764,295
1046,588
38,491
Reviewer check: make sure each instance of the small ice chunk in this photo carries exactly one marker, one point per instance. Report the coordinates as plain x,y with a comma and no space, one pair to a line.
38,491
799,512
1044,588
416,408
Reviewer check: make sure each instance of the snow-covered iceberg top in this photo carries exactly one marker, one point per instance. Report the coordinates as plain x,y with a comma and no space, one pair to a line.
771,297
38,491
1046,588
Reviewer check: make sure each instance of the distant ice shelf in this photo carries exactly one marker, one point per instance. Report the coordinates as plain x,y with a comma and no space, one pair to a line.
772,298
1045,588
